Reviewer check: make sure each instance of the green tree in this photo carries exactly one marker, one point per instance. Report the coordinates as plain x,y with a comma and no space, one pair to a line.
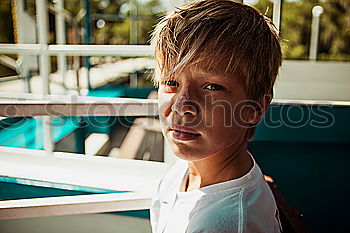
6,26
6,32
118,32
335,30
334,41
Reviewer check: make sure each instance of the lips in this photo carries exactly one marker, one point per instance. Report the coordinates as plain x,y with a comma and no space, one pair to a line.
184,129
183,133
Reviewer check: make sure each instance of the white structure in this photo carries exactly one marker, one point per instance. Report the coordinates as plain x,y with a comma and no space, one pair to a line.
25,33
315,31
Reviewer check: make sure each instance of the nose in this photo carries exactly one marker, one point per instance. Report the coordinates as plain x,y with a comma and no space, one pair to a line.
184,103
185,107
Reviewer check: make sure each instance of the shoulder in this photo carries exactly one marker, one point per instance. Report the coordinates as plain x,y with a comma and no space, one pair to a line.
238,210
261,213
219,212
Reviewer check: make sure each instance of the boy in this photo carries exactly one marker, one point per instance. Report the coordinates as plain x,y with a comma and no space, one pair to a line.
217,61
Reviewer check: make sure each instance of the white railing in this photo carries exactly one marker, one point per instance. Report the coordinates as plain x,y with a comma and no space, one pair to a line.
65,105
78,50
137,177
45,51
79,106
68,205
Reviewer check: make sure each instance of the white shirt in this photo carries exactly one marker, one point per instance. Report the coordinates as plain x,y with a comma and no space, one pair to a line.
241,205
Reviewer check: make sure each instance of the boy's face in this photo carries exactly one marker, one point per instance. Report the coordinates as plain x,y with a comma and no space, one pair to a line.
211,106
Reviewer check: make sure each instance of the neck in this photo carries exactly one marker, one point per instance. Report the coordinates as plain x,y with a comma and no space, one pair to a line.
220,167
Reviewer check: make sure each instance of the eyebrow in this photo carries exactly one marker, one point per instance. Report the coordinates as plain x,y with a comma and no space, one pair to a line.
212,74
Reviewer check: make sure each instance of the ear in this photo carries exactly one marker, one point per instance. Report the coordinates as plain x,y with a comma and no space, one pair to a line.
258,109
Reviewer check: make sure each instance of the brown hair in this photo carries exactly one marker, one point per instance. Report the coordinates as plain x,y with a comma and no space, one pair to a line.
215,31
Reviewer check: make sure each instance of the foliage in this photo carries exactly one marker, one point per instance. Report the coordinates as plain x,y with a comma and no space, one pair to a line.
334,41
6,24
118,32
335,30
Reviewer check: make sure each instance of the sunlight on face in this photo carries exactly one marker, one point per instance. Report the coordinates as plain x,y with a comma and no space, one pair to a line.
202,113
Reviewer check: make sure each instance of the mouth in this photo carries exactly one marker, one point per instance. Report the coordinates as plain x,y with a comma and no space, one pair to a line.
183,134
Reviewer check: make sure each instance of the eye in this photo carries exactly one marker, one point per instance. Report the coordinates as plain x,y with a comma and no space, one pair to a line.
170,86
170,83
214,87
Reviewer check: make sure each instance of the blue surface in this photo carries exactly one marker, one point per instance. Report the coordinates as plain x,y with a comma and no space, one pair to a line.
26,188
306,151
313,177
28,132
304,124
106,124
17,188
121,91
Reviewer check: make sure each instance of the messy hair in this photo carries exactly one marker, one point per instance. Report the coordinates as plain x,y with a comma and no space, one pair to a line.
213,32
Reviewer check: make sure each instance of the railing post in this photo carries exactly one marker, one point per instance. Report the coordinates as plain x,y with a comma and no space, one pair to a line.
61,39
133,36
315,28
276,17
87,39
133,79
133,21
42,22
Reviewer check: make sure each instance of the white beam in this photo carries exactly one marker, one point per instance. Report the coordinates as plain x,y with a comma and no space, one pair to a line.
85,107
68,205
65,170
315,31
79,50
42,22
61,39
276,17
42,19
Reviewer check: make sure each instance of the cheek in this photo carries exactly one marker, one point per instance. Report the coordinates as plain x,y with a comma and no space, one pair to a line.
227,128
164,108
225,122
163,102
221,114
244,115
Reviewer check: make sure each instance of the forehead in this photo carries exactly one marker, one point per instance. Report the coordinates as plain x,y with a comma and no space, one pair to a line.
202,74
204,71
204,67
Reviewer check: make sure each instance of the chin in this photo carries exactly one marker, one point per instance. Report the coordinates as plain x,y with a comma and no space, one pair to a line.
187,154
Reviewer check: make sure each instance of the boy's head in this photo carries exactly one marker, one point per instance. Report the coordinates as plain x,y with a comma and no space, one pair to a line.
217,32
212,57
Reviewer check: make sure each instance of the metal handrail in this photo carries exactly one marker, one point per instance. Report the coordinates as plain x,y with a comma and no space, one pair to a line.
69,205
129,107
63,170
78,50
67,105
82,106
